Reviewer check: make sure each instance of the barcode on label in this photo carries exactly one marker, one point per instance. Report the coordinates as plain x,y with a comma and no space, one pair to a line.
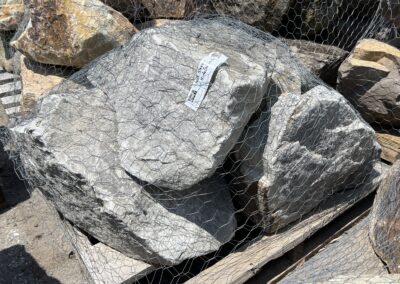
207,67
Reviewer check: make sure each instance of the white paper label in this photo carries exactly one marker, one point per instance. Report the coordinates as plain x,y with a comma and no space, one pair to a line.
205,72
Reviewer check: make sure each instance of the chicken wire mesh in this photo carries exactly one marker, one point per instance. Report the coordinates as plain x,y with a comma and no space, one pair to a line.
199,140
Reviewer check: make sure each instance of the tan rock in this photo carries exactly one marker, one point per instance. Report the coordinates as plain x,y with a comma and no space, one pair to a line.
80,31
377,51
37,79
369,78
11,14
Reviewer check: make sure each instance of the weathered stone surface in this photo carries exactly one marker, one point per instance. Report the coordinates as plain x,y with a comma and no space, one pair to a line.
71,148
80,31
163,141
315,16
370,78
169,8
262,13
322,60
37,79
385,220
156,23
11,14
132,9
391,11
306,148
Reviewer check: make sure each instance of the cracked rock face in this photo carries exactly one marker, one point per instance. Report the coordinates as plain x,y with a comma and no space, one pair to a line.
385,220
80,31
70,152
163,141
301,151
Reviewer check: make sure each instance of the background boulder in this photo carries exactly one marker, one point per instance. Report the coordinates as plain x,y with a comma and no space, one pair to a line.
11,14
369,78
79,32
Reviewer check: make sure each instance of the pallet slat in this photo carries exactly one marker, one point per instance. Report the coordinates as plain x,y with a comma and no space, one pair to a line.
243,264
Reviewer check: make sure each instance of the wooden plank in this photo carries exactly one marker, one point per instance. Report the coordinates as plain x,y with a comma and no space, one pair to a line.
14,110
10,89
390,146
241,265
302,260
8,77
349,254
105,265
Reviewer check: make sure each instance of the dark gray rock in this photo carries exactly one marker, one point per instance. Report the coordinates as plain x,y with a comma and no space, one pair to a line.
385,220
163,141
266,14
322,60
301,151
70,152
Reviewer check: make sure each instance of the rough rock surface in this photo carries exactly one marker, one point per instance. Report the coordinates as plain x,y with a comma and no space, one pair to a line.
168,8
37,79
306,148
132,9
11,14
81,30
385,220
163,141
312,17
261,13
370,80
70,149
322,60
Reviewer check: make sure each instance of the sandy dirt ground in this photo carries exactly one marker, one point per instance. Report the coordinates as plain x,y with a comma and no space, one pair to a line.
33,245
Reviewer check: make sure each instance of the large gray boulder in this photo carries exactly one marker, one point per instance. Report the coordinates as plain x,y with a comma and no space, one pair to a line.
385,220
301,151
162,140
70,151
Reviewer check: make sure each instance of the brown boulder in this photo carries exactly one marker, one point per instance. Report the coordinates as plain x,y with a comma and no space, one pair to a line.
11,14
385,220
369,78
79,32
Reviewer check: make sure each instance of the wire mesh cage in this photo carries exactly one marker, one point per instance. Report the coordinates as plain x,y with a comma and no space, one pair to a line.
205,141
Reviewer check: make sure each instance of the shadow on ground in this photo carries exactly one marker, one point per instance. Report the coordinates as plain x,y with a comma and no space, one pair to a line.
19,267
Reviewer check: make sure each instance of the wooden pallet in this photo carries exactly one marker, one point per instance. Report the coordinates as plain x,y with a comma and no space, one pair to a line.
351,253
10,92
241,265
390,146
